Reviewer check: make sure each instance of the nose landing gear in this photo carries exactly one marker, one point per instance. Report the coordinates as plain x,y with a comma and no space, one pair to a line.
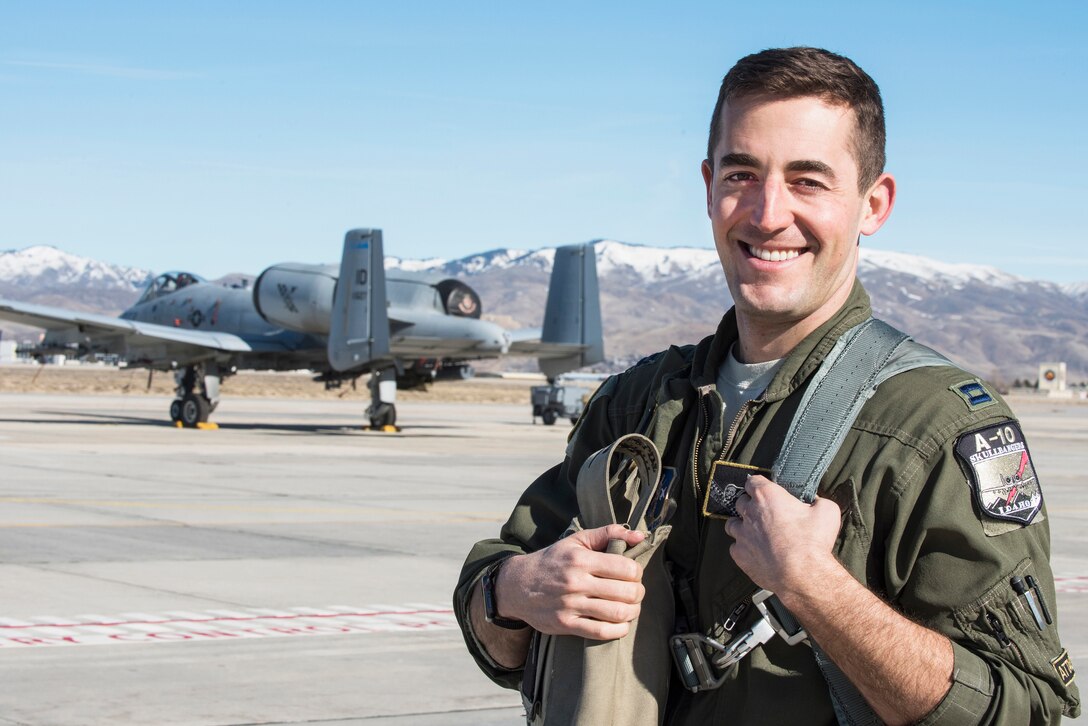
197,396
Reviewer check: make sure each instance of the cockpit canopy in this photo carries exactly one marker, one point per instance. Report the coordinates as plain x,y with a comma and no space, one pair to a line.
169,282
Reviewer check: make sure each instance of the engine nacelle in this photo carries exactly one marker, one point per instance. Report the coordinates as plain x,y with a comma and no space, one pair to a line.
296,297
459,299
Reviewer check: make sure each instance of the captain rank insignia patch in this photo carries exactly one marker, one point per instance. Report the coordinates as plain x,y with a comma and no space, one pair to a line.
1003,477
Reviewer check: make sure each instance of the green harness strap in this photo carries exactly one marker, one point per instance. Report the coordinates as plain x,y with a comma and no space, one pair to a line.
863,358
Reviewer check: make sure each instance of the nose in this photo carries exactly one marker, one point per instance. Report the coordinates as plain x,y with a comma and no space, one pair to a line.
771,210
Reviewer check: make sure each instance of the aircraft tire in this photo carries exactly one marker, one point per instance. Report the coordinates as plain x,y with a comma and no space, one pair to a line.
175,410
194,410
465,372
549,417
385,415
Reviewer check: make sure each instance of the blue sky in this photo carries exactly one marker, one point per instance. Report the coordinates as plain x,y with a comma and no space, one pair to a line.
225,137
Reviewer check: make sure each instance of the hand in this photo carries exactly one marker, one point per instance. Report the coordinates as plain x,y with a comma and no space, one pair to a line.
573,587
781,542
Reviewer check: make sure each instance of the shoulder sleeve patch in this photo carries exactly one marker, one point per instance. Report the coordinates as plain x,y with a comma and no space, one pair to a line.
974,394
1002,476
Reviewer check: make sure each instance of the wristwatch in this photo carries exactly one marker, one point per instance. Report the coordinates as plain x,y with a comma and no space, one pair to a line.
491,609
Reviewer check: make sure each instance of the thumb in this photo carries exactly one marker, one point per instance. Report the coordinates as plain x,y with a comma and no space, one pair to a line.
597,539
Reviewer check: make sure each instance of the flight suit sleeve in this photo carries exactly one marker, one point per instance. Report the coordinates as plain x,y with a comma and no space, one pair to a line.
967,532
540,518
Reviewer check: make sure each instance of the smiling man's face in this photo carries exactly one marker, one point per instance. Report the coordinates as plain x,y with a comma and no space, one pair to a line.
786,211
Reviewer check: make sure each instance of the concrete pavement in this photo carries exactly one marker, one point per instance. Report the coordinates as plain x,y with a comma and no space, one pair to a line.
291,568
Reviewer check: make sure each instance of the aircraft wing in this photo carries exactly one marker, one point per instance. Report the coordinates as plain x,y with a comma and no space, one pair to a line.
119,335
528,342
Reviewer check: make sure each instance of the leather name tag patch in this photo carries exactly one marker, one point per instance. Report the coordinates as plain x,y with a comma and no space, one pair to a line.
726,483
1002,476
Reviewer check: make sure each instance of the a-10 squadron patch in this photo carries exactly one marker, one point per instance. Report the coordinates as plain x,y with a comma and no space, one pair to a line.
1003,478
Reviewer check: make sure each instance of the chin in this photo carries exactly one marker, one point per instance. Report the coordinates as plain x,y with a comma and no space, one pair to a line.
764,301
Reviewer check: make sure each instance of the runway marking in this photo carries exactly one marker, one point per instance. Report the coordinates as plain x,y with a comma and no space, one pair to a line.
178,626
416,515
1077,584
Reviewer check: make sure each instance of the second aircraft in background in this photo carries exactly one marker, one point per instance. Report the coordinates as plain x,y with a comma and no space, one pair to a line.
339,321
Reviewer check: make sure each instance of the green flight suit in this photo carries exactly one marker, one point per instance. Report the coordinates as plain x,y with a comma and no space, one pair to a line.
914,531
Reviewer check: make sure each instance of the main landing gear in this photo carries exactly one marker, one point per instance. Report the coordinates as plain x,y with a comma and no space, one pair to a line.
382,410
197,396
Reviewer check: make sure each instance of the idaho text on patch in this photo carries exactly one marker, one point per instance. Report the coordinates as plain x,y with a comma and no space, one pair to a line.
1002,474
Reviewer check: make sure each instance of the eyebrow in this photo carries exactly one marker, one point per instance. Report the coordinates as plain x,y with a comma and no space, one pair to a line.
809,166
738,159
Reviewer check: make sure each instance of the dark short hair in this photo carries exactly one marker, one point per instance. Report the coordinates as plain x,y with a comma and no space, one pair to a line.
797,72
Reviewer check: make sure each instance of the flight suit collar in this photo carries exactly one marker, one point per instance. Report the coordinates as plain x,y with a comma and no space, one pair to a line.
801,362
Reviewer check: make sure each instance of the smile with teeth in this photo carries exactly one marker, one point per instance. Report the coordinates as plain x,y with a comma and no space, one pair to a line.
772,255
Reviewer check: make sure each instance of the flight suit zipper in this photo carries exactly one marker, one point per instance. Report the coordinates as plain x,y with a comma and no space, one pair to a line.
1003,638
700,434
704,392
700,521
733,428
999,630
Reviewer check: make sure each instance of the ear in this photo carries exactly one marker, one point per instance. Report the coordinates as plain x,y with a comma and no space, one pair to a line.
708,179
878,204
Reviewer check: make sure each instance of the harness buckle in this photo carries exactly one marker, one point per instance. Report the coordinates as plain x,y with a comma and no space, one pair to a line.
691,662
781,619
689,650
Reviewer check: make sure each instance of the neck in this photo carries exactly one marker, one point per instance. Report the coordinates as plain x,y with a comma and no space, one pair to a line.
763,338
760,342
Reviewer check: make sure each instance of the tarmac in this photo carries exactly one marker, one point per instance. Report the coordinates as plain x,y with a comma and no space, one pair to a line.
291,568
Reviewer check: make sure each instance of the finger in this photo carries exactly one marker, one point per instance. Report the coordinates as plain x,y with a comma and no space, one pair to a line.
606,611
621,591
741,503
755,481
598,629
732,525
611,567
828,508
597,539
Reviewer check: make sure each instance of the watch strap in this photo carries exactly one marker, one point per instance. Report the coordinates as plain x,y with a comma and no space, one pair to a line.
491,609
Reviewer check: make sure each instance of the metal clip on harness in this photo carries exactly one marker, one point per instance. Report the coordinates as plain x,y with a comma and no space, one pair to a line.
689,650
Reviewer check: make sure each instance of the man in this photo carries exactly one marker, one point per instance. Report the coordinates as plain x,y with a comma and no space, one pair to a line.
906,570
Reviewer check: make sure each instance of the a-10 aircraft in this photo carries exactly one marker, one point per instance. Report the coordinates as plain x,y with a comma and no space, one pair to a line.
339,322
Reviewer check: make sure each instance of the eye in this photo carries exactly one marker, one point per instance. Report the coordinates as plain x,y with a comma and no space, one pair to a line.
809,184
739,176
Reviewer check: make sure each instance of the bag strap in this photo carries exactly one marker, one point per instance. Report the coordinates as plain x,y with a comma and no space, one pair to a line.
863,358
617,484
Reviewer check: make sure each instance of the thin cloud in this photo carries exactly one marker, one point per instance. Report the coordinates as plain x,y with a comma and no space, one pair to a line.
96,69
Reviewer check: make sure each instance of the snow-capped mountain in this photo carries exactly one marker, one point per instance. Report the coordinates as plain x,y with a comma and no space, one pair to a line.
996,324
49,276
1077,290
43,263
